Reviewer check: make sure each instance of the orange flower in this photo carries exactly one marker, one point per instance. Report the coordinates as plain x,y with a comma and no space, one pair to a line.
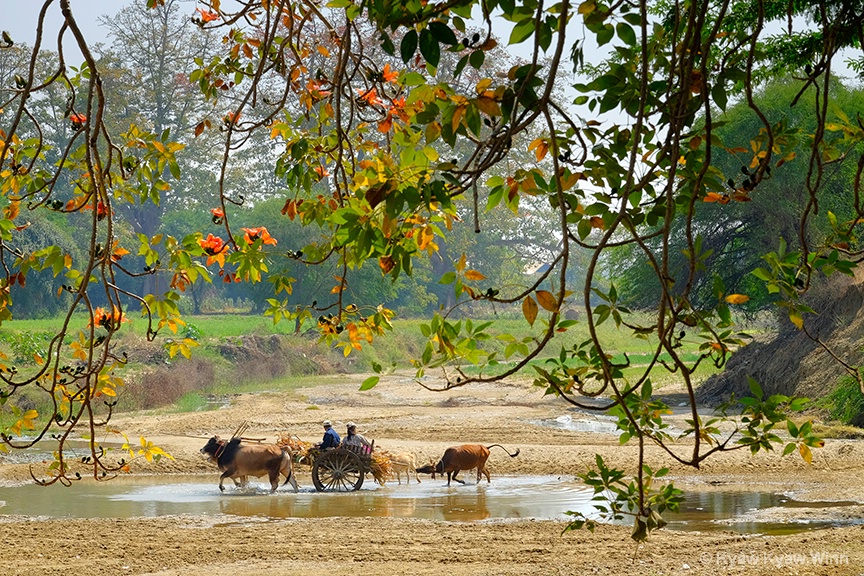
215,248
212,245
315,90
101,211
321,171
218,215
370,96
207,16
77,120
389,75
253,234
105,320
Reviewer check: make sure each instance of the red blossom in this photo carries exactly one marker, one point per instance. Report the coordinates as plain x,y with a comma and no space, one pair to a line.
207,16
215,248
389,75
253,234
212,244
321,171
370,96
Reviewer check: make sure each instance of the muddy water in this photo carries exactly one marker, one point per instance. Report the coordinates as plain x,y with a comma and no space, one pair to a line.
541,497
522,497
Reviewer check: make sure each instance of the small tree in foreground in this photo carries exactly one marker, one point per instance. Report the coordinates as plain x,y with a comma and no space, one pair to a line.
387,147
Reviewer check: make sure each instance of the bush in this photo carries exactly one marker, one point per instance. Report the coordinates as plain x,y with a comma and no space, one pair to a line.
846,403
166,384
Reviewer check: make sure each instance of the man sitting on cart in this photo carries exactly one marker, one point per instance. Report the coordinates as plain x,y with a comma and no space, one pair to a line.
331,437
352,438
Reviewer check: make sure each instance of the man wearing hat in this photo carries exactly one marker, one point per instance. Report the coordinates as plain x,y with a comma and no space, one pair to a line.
352,438
331,437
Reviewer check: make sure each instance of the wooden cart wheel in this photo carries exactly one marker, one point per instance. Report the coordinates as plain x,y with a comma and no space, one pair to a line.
338,470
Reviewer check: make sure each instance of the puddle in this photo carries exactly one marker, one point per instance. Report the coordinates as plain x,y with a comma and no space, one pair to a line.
587,422
583,423
522,497
757,512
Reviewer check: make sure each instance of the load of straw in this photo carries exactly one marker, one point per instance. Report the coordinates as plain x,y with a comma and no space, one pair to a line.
301,451
380,466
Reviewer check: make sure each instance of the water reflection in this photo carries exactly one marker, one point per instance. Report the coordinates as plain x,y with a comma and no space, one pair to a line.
539,497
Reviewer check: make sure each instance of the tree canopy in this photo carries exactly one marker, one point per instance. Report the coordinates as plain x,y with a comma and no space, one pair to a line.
392,133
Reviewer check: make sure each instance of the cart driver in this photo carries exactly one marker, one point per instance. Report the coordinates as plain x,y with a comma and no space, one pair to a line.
331,437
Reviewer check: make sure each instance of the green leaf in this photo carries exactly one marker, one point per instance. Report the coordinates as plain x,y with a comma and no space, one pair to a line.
522,31
755,389
429,48
626,33
605,34
461,65
718,94
408,46
442,33
369,383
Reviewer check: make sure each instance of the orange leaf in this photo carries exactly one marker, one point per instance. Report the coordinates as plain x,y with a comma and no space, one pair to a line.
567,182
529,309
460,266
290,209
547,300
474,275
597,222
457,116
540,147
737,298
488,106
805,452
386,263
385,125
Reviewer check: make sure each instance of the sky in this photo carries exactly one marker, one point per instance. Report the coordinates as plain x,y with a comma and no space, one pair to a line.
19,17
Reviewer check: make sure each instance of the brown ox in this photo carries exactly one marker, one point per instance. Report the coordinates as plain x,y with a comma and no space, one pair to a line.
237,461
465,457
404,462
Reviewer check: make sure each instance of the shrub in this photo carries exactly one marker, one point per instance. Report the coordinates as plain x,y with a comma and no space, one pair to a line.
165,385
846,403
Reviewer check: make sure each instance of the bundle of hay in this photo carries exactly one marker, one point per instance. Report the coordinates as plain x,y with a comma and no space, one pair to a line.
380,466
302,452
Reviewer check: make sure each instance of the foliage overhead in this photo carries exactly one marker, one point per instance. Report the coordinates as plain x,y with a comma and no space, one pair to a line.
389,131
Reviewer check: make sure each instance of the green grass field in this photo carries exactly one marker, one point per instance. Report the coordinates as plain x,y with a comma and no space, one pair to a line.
305,360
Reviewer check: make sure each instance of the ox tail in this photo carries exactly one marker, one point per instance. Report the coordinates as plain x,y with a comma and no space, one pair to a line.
290,477
505,450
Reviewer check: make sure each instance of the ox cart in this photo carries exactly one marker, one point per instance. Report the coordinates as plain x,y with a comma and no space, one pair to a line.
341,469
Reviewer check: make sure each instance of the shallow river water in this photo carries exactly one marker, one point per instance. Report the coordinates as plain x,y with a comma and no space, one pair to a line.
516,497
